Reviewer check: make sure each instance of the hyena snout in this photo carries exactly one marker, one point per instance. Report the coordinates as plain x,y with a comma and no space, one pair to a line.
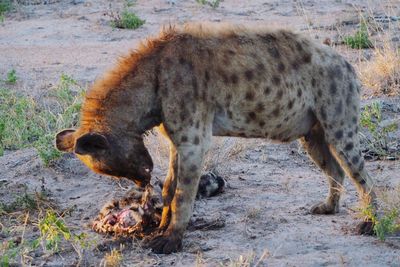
109,155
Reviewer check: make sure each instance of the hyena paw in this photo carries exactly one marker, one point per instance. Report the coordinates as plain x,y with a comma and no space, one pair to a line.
324,208
365,228
163,243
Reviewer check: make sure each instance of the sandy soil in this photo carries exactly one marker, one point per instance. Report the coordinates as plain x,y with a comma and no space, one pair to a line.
271,187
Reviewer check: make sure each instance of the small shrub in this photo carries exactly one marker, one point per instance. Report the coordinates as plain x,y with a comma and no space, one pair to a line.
385,225
24,123
112,259
212,3
11,77
126,20
379,143
9,251
360,40
5,6
53,230
382,72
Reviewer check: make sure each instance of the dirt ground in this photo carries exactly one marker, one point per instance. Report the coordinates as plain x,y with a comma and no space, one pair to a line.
265,207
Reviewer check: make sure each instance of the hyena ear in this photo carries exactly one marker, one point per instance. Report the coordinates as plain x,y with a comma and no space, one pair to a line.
91,143
65,140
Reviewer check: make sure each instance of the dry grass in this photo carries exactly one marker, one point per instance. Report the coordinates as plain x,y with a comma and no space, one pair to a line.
382,73
112,259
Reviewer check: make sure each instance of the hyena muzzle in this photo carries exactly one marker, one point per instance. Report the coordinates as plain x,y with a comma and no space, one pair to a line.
194,83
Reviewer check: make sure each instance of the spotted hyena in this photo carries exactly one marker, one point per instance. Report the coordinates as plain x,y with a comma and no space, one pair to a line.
194,83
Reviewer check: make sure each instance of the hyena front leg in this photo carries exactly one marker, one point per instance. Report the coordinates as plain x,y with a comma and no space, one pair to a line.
169,186
318,149
190,155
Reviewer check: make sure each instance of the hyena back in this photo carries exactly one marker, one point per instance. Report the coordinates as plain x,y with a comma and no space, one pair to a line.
197,83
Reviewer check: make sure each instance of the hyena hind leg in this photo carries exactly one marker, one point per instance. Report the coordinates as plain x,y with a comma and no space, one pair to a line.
318,149
348,154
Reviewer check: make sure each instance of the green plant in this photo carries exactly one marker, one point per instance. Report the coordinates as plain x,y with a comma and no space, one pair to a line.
126,20
385,225
25,123
9,251
212,3
360,40
53,230
12,77
5,6
371,119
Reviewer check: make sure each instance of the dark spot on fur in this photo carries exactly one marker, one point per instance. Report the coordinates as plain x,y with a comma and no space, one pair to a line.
223,76
204,95
281,67
179,198
299,47
267,90
361,167
290,104
276,111
207,76
349,67
252,115
184,138
193,168
306,58
335,72
249,75
234,79
279,94
196,140
354,120
182,115
338,108
362,181
319,93
350,134
230,115
339,134
286,119
278,126
274,52
260,107
348,99
295,65
276,80
323,114
333,88
313,82
268,38
249,95
299,92
355,159
349,146
260,67
197,124
195,87
261,123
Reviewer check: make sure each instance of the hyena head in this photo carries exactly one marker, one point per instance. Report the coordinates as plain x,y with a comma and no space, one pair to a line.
115,115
